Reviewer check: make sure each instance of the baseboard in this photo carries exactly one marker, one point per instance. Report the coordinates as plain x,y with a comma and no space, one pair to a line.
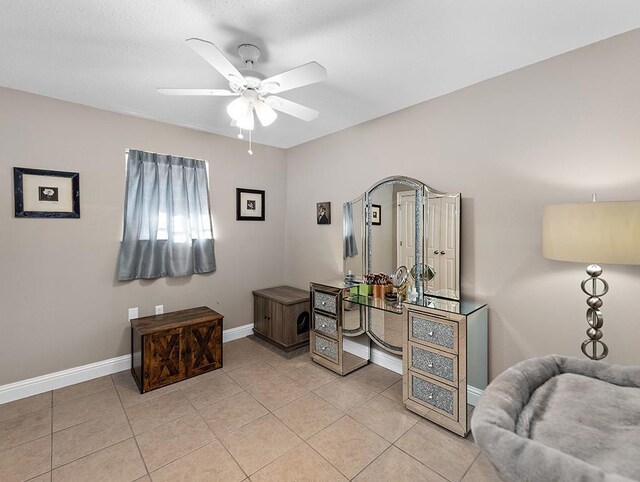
237,332
473,395
394,363
64,378
52,381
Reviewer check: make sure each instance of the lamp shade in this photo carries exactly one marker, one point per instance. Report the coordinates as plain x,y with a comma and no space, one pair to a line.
597,232
239,109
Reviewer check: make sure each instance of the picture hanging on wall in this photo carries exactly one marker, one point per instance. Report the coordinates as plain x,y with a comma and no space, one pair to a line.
323,213
376,214
249,205
40,193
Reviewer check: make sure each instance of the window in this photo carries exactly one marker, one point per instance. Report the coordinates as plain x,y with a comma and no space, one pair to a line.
167,221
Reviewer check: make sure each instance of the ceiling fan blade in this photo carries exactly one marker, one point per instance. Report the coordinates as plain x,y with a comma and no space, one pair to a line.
297,77
266,115
219,92
218,61
291,108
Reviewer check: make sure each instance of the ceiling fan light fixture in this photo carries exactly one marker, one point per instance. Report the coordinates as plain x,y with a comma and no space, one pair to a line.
239,109
247,123
266,115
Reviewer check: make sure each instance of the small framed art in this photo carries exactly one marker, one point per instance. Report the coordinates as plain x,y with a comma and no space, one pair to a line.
376,214
249,205
323,212
39,193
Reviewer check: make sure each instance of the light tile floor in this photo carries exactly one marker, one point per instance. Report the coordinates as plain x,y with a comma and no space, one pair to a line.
260,418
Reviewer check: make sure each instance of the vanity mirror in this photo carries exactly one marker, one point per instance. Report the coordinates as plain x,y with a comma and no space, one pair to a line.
401,221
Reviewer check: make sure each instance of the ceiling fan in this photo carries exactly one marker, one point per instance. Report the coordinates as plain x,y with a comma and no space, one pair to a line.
254,92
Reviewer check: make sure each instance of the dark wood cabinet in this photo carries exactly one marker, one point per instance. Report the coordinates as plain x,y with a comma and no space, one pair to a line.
173,346
281,316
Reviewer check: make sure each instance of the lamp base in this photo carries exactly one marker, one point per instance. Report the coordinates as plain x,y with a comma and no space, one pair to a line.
594,347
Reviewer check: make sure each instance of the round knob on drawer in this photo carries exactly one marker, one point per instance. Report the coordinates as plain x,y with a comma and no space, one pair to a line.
324,348
430,397
430,333
324,325
323,303
429,365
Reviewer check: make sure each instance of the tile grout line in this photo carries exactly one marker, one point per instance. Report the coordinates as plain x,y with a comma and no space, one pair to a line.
83,396
219,439
429,467
198,448
469,468
103,448
135,440
322,456
25,413
51,458
313,448
379,455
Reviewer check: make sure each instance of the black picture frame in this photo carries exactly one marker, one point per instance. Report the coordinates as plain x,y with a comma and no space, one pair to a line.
45,195
323,213
248,200
376,214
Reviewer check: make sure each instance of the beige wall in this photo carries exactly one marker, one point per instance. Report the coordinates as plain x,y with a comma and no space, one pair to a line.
60,305
553,132
550,133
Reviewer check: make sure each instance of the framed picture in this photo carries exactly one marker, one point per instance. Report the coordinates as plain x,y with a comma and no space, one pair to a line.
249,205
376,214
323,213
46,194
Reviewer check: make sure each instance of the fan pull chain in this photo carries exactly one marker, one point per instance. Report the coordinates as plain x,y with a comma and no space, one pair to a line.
240,136
250,151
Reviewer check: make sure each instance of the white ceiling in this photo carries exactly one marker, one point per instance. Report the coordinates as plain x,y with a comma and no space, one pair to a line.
381,55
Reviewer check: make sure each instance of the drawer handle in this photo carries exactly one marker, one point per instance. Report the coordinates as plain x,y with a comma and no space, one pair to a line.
430,333
429,365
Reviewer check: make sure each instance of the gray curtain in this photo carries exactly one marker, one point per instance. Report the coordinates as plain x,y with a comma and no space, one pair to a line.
167,220
350,247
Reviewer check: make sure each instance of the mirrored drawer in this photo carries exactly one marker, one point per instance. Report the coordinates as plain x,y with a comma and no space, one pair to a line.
326,348
325,324
326,302
441,334
434,395
443,366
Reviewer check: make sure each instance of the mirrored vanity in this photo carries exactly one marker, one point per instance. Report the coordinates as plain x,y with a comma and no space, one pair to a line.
441,337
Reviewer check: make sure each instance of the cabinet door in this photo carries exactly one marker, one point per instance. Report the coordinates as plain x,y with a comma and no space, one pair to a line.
261,315
204,349
163,358
275,320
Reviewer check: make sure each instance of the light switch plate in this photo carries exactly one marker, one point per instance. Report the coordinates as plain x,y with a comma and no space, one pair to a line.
133,313
159,309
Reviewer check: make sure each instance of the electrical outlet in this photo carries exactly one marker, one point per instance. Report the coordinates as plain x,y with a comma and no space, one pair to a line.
133,313
159,309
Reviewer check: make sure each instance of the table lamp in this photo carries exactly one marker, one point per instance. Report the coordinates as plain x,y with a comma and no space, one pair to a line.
596,232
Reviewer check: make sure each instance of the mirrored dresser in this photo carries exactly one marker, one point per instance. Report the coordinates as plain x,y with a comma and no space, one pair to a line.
442,339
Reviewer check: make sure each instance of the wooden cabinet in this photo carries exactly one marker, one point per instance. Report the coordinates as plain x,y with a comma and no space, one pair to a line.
281,316
171,347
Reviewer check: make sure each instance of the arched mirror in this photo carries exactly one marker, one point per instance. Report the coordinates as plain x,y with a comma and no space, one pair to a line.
400,221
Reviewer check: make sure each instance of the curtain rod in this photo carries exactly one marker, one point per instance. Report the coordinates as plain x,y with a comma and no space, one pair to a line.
163,154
